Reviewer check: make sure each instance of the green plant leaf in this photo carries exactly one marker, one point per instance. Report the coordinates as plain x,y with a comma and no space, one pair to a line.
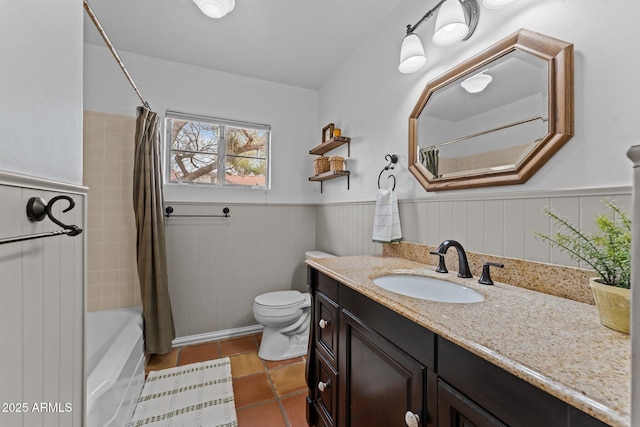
608,251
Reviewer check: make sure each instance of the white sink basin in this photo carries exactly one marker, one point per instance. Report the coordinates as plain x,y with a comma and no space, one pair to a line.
428,288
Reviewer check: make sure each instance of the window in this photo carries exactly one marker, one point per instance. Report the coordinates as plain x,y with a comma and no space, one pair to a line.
210,151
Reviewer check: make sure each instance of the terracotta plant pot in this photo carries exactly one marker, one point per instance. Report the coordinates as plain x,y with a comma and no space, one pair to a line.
613,305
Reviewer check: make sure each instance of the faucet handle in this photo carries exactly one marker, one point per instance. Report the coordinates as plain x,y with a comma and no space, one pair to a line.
442,268
485,278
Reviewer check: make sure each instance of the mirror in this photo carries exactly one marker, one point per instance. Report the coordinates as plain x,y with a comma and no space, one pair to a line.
496,118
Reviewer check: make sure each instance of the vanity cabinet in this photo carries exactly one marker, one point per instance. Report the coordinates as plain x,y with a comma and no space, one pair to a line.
376,381
369,366
381,382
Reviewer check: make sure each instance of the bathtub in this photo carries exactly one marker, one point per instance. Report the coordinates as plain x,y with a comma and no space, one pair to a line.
115,366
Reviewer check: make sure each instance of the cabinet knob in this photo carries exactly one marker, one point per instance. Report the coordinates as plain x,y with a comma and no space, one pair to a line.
323,386
412,420
323,323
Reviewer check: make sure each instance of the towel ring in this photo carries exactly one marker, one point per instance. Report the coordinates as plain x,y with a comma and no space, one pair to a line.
389,177
393,159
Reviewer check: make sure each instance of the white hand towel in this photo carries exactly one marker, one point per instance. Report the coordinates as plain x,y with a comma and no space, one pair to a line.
386,220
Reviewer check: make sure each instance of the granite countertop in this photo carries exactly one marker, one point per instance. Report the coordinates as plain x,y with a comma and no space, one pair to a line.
554,343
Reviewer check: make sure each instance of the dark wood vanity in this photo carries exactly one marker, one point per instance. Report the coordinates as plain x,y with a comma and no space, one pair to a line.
370,366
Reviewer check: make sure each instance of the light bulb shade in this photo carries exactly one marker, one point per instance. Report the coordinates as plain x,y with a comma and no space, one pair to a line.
496,4
477,83
451,24
215,8
411,54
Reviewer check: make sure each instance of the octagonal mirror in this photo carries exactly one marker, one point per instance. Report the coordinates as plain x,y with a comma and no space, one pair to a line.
496,118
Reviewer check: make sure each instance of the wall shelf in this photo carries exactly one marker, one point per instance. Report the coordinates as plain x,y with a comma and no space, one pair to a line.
330,175
329,145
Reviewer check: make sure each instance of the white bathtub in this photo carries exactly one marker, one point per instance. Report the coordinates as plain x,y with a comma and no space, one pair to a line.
115,366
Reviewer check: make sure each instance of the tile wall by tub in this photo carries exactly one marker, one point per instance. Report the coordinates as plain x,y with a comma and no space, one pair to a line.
108,172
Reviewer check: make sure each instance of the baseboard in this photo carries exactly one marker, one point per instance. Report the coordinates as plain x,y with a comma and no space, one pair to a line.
218,335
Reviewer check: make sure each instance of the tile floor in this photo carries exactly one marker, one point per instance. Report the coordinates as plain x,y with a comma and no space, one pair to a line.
267,394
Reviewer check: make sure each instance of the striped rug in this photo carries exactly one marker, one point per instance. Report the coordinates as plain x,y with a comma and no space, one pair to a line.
195,395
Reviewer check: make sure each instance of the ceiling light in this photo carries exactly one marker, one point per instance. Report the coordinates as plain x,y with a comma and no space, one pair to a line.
477,83
411,54
451,24
496,4
215,8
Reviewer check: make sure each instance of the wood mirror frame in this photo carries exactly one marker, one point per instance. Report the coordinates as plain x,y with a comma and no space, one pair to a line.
559,56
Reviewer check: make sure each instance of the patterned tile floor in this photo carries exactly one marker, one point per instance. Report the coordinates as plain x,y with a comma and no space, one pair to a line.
267,394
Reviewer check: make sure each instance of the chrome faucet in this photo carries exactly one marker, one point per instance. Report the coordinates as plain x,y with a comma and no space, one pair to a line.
463,264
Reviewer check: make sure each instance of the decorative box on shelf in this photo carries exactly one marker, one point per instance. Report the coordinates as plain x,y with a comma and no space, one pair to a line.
320,165
336,163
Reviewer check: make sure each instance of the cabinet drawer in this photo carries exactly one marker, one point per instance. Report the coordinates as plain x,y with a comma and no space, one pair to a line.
327,286
326,327
500,393
413,339
456,410
326,390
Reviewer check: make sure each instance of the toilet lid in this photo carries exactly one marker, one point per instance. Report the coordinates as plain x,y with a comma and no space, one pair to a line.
280,298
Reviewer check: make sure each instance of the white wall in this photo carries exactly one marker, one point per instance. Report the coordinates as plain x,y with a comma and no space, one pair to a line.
371,101
42,289
41,89
291,112
217,266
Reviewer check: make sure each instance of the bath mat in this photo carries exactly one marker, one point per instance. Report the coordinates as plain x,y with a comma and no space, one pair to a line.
195,395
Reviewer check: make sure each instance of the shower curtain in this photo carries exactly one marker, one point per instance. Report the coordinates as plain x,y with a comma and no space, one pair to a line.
159,329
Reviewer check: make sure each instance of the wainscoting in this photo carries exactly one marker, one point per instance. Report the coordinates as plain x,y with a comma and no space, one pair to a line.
497,224
217,266
41,309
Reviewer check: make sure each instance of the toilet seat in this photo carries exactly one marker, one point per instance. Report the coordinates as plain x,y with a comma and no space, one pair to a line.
280,303
280,299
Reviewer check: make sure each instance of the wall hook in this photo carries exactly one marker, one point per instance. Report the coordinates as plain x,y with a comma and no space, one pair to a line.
37,210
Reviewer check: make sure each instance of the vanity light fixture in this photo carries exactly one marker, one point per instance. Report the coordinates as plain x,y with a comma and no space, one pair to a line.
412,56
215,8
477,83
456,21
451,24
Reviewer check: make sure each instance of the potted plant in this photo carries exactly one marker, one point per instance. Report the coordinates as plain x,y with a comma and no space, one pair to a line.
608,252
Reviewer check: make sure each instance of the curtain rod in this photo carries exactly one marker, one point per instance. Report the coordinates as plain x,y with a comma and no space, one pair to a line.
105,37
521,122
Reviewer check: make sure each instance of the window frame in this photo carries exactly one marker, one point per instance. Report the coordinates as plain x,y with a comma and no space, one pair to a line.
221,149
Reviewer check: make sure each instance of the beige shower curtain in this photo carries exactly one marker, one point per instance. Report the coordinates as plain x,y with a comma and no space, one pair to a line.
159,330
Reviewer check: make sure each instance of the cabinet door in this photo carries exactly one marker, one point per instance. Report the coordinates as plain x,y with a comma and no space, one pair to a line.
379,383
455,410
326,327
325,392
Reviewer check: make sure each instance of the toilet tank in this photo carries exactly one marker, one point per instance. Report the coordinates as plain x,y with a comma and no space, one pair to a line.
317,254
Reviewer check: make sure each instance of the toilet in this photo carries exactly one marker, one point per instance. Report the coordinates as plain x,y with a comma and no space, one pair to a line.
285,317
